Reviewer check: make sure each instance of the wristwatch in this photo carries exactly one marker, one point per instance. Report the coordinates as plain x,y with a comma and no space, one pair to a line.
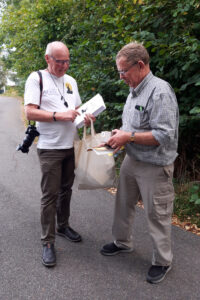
132,138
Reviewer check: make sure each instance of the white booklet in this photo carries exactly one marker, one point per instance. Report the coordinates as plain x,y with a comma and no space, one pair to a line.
94,106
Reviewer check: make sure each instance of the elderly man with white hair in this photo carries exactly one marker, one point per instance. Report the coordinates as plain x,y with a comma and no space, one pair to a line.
54,107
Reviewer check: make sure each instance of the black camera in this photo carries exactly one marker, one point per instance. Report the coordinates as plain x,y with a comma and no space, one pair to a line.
31,132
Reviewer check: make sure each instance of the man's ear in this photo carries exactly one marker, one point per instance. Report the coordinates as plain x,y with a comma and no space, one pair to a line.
141,64
47,58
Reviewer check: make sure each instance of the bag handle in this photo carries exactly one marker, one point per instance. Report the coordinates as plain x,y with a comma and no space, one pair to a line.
91,128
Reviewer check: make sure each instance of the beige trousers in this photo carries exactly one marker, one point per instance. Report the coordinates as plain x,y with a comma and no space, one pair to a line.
153,184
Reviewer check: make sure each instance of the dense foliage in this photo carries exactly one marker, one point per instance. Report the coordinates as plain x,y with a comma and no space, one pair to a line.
95,31
2,74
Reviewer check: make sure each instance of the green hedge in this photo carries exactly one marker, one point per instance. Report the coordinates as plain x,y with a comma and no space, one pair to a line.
94,32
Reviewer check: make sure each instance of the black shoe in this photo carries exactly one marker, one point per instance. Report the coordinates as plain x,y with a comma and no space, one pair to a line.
157,273
70,234
112,249
48,255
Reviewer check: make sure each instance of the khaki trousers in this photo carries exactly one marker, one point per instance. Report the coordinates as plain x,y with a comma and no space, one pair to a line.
57,168
152,184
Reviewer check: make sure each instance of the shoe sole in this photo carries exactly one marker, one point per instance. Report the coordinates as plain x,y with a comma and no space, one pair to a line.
63,235
48,264
161,279
117,252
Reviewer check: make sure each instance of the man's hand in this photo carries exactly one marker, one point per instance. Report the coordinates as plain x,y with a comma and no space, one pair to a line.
69,115
118,139
88,118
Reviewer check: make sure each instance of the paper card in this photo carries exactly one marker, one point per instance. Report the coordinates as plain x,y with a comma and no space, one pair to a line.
102,150
94,106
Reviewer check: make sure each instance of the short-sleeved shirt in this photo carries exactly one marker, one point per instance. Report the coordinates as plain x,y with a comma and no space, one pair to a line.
152,106
59,134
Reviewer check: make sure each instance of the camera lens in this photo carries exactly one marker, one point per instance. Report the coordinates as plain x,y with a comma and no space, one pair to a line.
28,140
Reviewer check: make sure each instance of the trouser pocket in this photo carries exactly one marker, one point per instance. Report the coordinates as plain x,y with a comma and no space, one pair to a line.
162,206
164,194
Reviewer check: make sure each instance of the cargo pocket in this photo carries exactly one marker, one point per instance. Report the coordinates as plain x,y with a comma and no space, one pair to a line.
162,205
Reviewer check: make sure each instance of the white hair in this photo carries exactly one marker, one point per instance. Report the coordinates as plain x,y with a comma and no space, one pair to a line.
51,46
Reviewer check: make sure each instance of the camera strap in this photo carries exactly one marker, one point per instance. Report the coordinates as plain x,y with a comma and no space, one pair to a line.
41,89
41,86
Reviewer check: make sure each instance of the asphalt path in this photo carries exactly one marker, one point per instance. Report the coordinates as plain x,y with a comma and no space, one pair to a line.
81,273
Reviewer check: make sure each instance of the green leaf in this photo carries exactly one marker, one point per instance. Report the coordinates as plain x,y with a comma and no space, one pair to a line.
197,201
194,197
195,110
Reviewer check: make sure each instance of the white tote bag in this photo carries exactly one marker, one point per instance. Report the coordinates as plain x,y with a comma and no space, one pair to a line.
93,171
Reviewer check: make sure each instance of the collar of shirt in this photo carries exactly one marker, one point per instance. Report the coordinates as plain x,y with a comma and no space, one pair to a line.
135,92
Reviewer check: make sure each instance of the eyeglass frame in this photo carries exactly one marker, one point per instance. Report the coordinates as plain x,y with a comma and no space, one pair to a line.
59,61
123,72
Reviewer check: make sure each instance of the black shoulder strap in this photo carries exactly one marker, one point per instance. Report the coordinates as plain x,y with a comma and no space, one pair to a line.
41,89
41,86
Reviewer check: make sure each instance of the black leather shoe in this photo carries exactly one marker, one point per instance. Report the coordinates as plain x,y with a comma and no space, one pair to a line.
112,249
70,234
48,255
157,273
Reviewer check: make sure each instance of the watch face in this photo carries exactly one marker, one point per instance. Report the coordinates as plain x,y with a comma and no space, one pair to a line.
133,137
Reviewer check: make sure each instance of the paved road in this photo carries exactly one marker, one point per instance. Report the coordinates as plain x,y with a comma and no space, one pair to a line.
82,273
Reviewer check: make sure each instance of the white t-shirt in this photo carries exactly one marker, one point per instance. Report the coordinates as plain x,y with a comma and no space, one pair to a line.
59,134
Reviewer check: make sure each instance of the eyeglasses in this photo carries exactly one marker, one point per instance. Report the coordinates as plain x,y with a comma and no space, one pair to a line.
60,62
123,72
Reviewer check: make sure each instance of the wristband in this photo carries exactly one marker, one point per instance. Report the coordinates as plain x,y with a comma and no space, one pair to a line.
54,118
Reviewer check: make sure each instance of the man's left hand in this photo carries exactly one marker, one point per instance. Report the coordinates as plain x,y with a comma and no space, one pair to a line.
88,118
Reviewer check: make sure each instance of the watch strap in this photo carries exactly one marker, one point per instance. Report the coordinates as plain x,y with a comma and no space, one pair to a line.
54,117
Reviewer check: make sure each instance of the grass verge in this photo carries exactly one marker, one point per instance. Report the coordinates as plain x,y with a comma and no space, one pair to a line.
186,205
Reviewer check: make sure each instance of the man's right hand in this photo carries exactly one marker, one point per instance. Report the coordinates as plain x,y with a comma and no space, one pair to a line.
69,115
119,138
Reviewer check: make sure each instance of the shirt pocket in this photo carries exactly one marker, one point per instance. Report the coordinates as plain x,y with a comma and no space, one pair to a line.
140,119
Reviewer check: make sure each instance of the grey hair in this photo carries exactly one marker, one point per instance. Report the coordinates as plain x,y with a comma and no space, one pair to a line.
133,52
51,46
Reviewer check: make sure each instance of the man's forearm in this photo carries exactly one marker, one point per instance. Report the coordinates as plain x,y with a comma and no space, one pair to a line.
120,138
145,138
34,114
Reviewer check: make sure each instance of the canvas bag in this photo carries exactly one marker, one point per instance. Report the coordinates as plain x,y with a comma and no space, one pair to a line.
93,171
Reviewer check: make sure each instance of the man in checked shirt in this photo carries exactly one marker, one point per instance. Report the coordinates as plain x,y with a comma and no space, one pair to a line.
150,135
